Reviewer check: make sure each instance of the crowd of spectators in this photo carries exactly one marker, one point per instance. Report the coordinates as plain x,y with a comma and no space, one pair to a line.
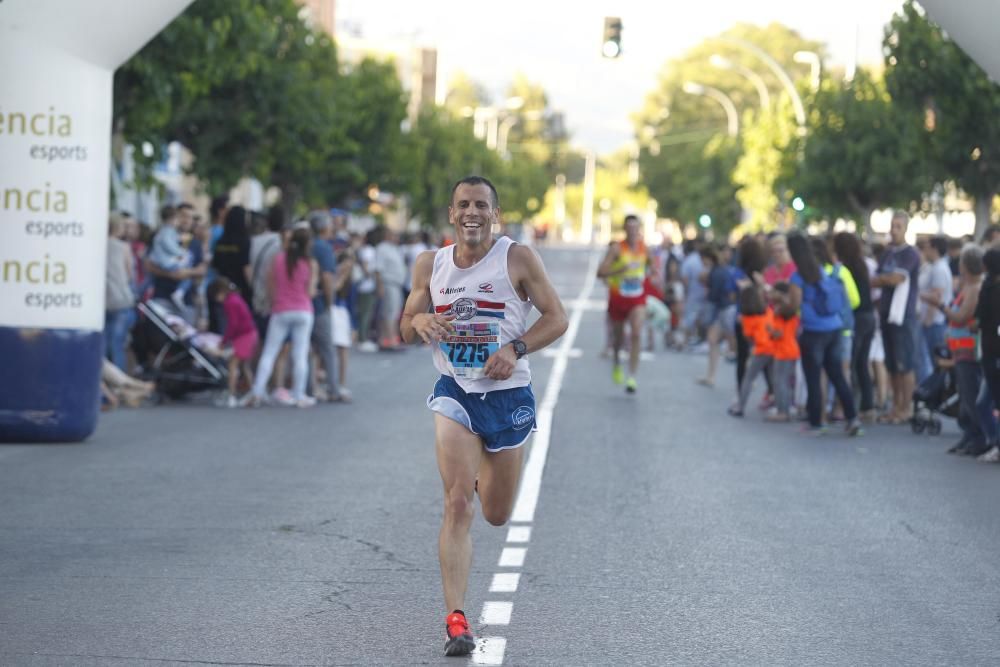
845,331
279,304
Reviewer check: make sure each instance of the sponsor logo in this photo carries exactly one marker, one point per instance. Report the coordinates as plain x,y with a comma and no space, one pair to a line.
486,288
464,309
452,290
522,417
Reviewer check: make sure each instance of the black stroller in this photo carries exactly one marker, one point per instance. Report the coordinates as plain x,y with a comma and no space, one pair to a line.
171,353
937,395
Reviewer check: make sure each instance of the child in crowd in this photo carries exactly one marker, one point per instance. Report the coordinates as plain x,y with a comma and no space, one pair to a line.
757,322
240,333
785,325
169,254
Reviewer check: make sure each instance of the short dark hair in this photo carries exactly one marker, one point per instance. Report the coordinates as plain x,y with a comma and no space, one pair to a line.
991,260
940,244
167,212
184,206
477,180
990,233
630,217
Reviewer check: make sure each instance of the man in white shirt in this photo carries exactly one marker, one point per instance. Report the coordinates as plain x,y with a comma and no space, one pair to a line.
934,279
390,275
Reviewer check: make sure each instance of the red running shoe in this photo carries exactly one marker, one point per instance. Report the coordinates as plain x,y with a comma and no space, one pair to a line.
460,641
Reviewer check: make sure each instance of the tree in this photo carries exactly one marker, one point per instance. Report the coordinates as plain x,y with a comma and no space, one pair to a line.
769,152
684,171
929,75
861,152
252,91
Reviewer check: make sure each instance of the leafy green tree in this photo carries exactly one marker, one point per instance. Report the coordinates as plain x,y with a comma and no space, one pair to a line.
862,152
764,168
959,106
684,170
252,91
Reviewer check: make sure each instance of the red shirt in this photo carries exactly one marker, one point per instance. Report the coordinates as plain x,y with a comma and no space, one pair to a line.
239,320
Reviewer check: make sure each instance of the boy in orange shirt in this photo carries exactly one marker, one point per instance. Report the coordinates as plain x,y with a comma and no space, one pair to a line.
786,354
757,321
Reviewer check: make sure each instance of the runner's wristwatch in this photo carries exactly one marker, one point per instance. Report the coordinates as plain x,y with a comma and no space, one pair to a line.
520,348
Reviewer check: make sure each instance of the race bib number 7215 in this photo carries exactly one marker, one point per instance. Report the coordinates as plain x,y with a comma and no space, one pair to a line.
470,346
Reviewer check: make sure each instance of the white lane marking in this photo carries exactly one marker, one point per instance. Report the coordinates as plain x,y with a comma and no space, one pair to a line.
531,483
496,613
512,557
575,353
519,534
489,651
505,582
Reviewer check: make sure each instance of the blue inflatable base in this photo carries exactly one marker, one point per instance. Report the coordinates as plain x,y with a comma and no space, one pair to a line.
51,386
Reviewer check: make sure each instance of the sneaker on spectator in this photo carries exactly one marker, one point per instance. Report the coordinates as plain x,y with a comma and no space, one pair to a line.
368,346
992,456
282,396
305,402
345,394
766,402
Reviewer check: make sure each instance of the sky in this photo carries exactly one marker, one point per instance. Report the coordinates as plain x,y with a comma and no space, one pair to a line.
557,44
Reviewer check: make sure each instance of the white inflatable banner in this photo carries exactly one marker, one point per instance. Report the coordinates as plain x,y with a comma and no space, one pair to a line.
56,64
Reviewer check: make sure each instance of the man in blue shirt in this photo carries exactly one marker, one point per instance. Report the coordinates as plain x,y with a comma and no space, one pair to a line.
323,301
899,269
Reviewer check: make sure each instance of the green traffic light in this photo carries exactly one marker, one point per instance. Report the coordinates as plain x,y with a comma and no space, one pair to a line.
705,220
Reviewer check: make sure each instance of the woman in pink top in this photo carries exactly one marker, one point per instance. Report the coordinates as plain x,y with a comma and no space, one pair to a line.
291,283
782,267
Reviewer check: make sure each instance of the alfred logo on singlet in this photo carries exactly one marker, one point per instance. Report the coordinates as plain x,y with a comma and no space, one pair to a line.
464,309
486,288
452,290
522,417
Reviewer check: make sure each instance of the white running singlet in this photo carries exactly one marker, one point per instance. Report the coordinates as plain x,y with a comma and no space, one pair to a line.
488,314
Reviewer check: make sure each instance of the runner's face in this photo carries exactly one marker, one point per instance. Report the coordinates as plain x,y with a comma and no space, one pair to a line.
632,231
472,214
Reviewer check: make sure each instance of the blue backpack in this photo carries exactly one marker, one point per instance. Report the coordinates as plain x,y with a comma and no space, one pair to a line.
831,296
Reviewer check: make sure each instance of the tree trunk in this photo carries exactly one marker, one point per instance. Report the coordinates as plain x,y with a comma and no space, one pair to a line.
864,211
984,204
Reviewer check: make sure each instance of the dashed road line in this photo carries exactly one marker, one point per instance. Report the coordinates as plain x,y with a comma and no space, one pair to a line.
490,650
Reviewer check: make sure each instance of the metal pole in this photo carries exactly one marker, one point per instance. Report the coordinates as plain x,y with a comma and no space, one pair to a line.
758,82
732,117
587,219
786,81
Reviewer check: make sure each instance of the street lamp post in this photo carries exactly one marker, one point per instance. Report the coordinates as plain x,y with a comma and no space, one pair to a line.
786,81
722,62
810,58
732,117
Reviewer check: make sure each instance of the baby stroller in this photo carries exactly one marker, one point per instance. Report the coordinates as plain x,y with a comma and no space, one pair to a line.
937,395
179,358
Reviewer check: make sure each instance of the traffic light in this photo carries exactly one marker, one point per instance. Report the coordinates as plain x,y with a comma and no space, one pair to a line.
705,220
611,46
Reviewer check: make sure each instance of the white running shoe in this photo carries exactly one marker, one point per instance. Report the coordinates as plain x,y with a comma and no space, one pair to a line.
368,346
305,402
282,396
992,456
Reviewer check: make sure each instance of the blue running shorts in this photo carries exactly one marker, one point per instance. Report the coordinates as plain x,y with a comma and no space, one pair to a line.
503,419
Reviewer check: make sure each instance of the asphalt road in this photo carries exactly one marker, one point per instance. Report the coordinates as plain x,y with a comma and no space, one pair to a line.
666,532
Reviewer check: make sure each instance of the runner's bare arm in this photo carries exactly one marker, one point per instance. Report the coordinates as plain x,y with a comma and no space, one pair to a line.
529,278
416,323
604,270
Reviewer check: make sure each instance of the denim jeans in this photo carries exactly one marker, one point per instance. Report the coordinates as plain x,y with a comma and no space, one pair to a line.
968,377
116,326
984,411
931,336
298,325
821,352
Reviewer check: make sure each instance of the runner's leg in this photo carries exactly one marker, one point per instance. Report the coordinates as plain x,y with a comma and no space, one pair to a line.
636,317
499,473
459,454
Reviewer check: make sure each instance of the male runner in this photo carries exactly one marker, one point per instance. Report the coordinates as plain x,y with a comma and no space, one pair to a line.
482,290
624,270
